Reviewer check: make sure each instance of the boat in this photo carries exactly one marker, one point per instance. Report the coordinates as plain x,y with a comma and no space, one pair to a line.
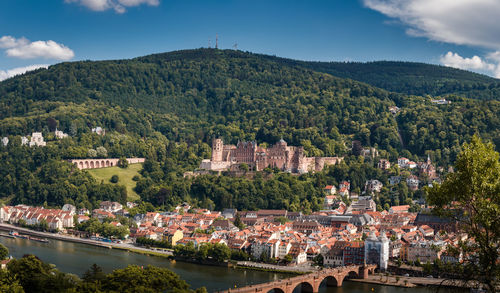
43,240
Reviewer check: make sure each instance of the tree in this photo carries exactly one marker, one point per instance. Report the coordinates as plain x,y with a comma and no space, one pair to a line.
122,162
102,152
114,179
4,252
471,197
92,153
238,223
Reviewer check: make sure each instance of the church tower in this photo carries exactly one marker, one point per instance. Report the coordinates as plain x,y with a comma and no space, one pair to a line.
217,147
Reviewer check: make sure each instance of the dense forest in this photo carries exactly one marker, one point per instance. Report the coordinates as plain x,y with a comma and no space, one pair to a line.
167,108
30,274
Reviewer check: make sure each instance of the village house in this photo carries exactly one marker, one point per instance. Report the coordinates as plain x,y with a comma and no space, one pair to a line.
412,182
110,206
37,140
384,164
330,190
399,209
373,186
425,251
172,236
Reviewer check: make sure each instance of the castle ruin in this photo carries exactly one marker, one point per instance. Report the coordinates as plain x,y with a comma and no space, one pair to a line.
286,158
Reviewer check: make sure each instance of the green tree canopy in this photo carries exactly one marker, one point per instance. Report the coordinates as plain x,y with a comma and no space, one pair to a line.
471,196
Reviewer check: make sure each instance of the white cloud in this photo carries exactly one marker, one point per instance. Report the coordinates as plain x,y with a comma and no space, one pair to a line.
474,63
24,49
461,22
118,5
11,42
4,74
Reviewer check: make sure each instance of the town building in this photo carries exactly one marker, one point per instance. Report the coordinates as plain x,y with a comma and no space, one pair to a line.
281,156
377,250
5,141
330,190
99,131
60,134
373,185
384,164
37,139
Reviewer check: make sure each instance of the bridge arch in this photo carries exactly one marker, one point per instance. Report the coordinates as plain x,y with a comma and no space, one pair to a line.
276,290
330,281
97,164
86,164
81,165
303,287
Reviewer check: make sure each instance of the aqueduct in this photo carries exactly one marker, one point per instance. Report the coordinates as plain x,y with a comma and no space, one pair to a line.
102,163
311,282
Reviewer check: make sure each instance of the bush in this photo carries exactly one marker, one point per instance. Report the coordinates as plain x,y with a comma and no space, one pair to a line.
136,178
122,163
114,179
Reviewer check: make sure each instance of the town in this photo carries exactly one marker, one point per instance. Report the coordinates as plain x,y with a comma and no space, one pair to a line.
346,235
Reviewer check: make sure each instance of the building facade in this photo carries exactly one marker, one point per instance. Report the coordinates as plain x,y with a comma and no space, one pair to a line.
281,156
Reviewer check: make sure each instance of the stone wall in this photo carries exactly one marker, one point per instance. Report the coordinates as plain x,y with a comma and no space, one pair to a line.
102,163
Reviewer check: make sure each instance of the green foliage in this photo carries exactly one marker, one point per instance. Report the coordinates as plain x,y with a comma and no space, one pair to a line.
216,252
94,226
30,274
471,196
413,78
153,243
35,176
4,252
149,279
114,179
122,162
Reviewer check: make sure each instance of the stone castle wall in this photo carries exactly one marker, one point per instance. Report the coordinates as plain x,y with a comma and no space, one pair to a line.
280,155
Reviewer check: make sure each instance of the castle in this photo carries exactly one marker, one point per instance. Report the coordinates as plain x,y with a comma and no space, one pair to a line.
284,157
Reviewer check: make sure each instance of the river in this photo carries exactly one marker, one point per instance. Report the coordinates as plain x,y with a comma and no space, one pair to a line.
76,258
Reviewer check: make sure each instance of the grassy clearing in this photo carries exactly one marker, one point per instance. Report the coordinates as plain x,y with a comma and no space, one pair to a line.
125,176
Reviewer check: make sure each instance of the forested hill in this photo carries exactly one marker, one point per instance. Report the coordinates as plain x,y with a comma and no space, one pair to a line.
193,95
414,78
167,107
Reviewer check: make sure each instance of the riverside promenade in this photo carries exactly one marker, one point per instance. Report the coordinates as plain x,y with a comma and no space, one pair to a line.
56,236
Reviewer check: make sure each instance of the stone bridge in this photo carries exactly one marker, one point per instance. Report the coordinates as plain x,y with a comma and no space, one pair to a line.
311,282
102,163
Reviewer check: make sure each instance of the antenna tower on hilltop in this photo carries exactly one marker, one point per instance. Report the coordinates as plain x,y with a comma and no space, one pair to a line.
235,46
216,41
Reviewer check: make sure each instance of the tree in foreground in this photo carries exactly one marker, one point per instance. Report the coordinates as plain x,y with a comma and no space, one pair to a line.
4,252
471,197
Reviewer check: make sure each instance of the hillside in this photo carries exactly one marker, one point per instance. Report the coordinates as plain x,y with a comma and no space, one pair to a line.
125,177
167,107
414,78
194,95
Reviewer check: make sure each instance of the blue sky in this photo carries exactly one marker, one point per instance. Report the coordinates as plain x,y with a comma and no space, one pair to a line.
464,35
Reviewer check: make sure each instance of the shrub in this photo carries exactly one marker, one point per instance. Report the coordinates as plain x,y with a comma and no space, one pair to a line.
114,179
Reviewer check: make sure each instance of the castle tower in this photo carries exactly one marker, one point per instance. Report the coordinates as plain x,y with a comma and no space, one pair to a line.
217,147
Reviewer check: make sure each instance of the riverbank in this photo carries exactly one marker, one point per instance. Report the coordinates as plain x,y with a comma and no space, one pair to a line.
412,282
110,245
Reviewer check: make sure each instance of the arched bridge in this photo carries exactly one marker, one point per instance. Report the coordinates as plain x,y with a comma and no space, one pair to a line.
102,163
311,282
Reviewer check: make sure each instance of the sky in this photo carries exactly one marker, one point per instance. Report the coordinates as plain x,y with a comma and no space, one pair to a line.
459,33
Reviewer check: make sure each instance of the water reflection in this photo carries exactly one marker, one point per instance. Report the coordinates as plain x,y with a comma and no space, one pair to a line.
77,258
